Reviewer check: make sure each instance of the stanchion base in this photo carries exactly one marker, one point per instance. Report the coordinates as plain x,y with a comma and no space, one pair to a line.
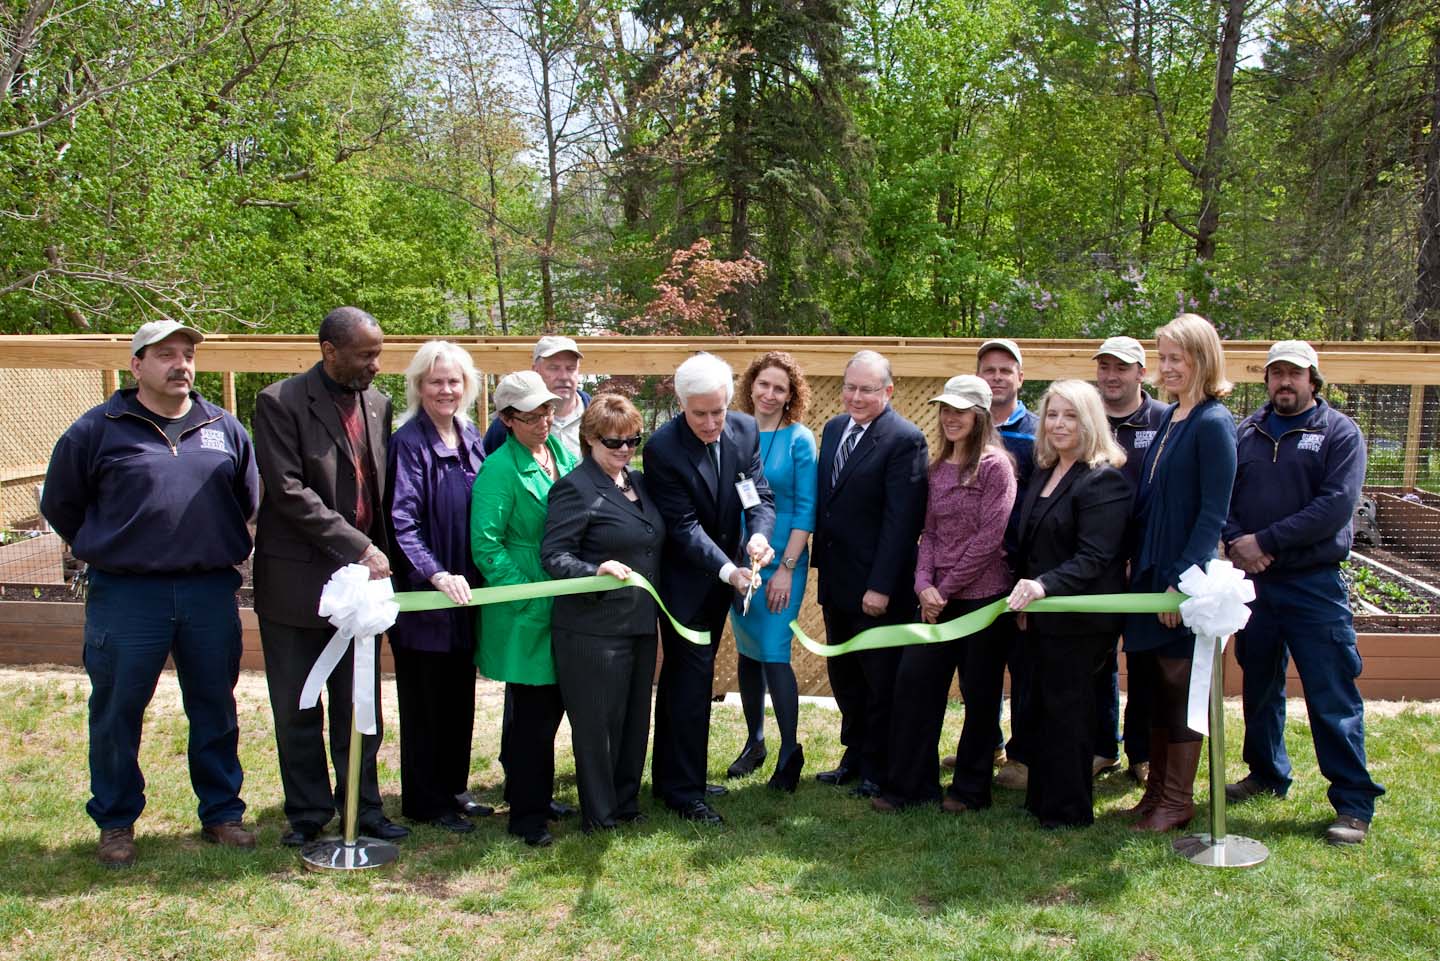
1230,851
335,854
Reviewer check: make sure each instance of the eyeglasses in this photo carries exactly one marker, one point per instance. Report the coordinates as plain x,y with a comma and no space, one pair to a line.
544,413
615,443
867,391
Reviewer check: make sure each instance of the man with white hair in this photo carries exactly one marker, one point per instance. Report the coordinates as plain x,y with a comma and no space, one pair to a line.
869,509
557,361
1300,466
703,469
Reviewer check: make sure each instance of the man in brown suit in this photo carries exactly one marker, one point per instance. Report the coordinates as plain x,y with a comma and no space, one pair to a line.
320,442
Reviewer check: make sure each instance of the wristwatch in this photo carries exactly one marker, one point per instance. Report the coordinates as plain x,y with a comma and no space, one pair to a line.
790,562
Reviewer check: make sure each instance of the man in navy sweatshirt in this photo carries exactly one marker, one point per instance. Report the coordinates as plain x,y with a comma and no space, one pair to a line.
1301,464
153,490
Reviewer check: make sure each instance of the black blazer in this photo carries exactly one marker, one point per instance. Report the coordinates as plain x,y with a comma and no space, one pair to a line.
867,527
590,521
702,512
1073,542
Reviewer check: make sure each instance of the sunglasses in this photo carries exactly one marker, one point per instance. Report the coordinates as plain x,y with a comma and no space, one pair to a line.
615,443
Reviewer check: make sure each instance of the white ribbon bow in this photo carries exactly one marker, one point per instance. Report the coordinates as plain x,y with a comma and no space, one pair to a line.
1216,608
360,609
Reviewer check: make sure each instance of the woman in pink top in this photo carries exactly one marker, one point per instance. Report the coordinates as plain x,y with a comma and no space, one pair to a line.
961,566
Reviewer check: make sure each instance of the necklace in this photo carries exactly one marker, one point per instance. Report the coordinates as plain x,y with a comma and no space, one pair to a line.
548,464
1158,451
624,482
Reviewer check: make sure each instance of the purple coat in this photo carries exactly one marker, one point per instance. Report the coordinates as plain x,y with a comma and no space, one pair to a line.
429,503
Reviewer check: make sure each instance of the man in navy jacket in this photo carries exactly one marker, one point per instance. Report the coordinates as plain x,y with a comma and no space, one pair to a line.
1300,467
870,507
153,490
703,469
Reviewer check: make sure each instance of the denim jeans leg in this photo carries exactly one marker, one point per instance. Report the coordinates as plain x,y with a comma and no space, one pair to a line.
207,664
1328,663
1260,651
129,626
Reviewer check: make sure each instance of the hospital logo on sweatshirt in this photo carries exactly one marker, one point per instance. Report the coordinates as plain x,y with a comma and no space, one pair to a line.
212,439
1311,442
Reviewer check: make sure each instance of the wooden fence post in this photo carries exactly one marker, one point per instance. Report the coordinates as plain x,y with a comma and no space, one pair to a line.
1412,435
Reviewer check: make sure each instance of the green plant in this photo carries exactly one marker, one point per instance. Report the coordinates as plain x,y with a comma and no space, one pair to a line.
1385,594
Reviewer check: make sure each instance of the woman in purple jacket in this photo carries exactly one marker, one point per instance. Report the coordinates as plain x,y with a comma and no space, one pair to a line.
960,567
433,460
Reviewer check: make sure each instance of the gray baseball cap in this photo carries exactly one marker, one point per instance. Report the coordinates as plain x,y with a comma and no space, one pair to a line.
1295,352
964,391
1125,349
524,390
552,345
1001,343
158,330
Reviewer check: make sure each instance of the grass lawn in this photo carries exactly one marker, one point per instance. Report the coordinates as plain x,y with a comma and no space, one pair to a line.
810,877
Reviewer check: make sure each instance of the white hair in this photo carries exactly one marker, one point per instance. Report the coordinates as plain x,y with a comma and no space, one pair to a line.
704,374
875,361
431,353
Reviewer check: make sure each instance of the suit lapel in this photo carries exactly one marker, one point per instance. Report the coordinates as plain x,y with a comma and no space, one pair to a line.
322,405
868,441
1037,507
375,432
699,456
608,491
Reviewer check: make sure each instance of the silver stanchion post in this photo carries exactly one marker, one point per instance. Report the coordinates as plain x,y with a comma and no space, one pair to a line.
1218,849
352,852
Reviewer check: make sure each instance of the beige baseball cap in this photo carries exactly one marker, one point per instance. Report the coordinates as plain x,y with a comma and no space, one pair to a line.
964,391
1001,343
1295,352
157,330
552,345
524,390
1125,349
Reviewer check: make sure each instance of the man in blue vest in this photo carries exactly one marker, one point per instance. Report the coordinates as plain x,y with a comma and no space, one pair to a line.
1301,464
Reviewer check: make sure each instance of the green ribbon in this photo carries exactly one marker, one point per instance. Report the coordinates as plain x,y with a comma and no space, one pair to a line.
409,601
902,635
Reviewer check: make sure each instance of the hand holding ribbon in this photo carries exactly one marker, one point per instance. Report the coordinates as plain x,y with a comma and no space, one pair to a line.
360,609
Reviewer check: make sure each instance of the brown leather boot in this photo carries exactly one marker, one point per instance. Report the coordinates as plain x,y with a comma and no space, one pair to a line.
117,847
1159,741
1177,789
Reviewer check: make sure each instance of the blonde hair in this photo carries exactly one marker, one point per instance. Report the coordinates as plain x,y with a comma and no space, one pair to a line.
1097,444
1197,337
431,353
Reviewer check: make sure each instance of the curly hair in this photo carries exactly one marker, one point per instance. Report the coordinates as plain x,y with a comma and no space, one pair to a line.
794,412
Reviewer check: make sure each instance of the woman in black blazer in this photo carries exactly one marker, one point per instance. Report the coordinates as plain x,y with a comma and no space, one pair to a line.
1071,539
602,521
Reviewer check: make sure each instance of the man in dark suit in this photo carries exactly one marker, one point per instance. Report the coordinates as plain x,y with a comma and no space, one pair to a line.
320,442
870,508
703,468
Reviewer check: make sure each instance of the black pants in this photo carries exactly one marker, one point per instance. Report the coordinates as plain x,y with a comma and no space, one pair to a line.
922,690
605,682
290,652
528,744
682,714
982,670
1018,661
1060,724
864,687
436,691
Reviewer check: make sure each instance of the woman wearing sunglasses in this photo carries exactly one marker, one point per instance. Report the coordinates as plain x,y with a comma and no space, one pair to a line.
602,521
507,518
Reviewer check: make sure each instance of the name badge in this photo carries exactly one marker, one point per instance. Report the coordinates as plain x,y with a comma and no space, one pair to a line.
749,496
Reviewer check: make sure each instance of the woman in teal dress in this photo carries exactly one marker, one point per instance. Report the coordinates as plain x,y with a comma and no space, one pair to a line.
774,391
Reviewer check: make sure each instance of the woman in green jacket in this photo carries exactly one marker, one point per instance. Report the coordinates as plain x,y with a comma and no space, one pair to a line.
507,522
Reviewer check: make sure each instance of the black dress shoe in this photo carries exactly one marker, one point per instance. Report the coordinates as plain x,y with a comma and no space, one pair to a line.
558,810
538,839
300,834
840,775
467,805
716,790
750,758
787,775
383,829
699,811
866,788
634,817
456,823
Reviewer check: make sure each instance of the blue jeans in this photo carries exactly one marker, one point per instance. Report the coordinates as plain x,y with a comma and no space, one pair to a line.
132,623
1306,617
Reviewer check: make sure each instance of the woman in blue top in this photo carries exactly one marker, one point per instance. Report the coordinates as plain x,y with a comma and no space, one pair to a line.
774,391
1181,506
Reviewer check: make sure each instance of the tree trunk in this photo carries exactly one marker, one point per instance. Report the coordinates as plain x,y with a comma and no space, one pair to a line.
1425,306
1213,166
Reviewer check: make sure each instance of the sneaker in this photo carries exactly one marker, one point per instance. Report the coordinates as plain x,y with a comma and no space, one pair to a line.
1347,830
1139,772
1247,788
117,847
229,834
1014,776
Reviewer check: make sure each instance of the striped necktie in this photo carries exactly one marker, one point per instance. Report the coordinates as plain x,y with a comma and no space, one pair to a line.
847,447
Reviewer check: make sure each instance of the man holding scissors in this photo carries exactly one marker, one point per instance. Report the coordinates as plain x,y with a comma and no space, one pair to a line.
703,469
